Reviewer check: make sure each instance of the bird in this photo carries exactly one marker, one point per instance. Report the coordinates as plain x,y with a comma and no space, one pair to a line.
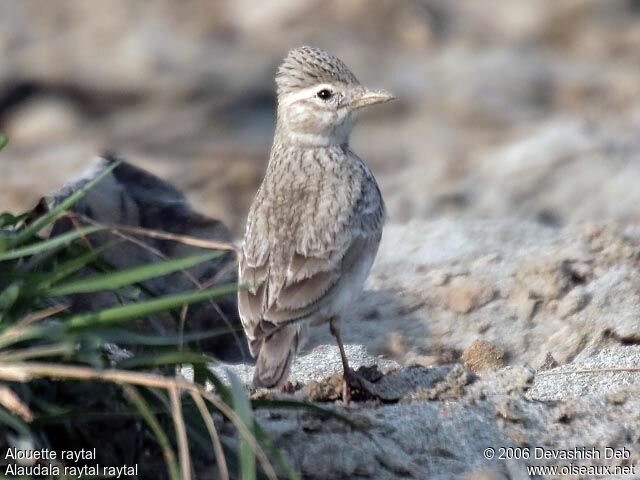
316,221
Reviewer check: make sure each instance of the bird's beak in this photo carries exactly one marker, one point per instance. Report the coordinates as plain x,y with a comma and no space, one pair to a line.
371,97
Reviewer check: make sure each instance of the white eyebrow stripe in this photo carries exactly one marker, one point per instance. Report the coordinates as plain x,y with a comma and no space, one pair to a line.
305,93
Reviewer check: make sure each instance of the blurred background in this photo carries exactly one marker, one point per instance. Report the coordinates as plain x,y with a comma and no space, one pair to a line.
525,108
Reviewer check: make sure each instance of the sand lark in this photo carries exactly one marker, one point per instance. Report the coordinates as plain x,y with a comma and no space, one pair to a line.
315,224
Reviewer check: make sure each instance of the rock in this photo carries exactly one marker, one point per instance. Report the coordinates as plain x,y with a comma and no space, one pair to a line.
451,387
549,362
545,278
439,440
465,294
508,381
602,374
485,473
616,299
617,398
573,302
324,391
482,355
43,120
130,197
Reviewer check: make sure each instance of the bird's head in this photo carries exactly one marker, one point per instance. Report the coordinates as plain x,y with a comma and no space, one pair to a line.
319,97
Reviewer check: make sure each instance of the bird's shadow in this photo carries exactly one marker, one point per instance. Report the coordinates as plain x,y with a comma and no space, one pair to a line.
379,320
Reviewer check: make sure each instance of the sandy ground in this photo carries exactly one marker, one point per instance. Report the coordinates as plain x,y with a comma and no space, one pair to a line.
543,323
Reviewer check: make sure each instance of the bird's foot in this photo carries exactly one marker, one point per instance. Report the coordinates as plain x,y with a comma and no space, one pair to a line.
359,383
350,382
290,387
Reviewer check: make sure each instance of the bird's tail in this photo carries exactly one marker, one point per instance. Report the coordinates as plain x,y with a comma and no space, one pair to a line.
275,358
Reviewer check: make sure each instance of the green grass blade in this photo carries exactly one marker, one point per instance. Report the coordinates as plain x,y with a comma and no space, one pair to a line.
163,441
242,406
8,219
123,313
3,141
31,332
168,358
44,245
21,354
123,336
13,422
5,241
41,222
65,269
28,278
114,280
9,295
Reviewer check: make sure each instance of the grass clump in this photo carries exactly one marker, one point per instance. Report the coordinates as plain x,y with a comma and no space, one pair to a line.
62,388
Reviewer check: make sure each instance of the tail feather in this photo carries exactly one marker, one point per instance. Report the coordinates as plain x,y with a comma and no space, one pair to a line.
275,358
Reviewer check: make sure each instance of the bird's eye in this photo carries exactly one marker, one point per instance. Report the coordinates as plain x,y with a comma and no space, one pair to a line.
325,94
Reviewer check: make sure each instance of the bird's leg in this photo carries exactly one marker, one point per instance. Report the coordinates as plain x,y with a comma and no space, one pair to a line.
350,377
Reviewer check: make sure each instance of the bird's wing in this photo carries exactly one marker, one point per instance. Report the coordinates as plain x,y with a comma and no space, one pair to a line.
276,293
302,291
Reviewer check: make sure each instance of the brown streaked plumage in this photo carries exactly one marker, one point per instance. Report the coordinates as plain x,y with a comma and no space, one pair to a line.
315,224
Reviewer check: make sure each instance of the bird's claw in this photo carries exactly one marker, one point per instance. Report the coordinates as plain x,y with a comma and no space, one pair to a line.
351,383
